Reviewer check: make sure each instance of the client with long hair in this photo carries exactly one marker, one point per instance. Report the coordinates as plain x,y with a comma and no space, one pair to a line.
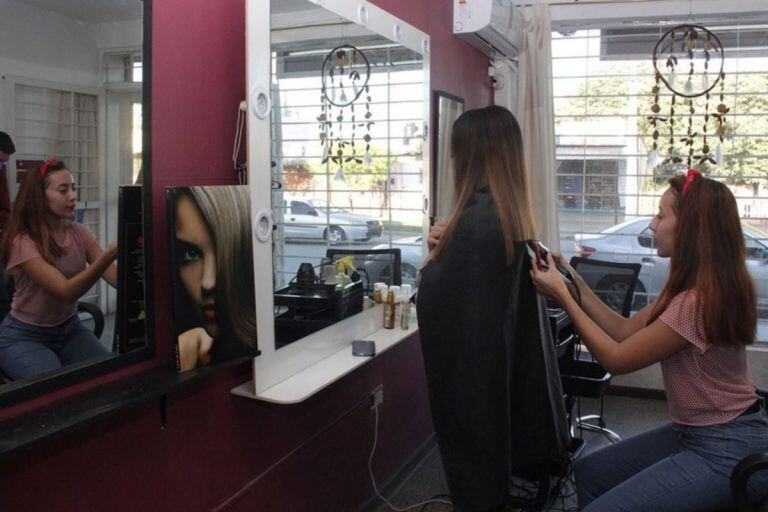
491,370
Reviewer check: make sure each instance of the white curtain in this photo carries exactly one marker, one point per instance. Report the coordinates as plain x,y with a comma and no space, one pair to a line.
535,113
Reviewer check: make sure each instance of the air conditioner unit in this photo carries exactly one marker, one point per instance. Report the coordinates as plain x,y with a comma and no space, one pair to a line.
495,27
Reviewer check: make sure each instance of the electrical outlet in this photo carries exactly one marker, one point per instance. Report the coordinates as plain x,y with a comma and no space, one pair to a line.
377,397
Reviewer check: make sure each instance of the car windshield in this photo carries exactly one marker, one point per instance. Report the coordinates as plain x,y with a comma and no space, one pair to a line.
325,209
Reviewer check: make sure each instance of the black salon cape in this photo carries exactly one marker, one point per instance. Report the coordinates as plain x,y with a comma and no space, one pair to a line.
494,387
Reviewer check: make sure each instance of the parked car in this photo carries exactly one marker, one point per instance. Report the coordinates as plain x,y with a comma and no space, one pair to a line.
632,242
411,257
315,219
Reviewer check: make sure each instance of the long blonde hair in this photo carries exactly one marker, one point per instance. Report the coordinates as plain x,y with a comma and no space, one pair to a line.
226,210
487,151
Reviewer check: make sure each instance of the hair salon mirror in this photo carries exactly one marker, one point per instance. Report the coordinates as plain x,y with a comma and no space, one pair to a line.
75,86
348,161
449,108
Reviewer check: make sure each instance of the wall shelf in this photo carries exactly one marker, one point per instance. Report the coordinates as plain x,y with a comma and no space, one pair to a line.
307,382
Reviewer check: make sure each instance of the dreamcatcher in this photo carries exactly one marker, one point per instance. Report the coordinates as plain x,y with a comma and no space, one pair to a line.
346,71
693,60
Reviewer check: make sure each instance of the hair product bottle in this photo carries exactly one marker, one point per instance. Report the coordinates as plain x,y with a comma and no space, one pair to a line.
398,307
389,310
405,314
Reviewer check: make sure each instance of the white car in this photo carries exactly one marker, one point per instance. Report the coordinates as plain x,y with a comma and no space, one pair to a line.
632,242
314,219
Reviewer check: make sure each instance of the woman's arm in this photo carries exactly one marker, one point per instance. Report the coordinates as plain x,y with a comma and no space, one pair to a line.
646,346
110,275
615,325
69,290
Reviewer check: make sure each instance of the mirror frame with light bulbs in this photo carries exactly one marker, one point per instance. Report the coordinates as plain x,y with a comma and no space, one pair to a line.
274,366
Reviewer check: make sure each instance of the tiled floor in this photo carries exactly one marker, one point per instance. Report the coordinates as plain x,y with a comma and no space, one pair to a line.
625,416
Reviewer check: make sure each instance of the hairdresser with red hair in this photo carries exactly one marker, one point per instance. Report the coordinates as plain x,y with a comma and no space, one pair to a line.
53,261
697,328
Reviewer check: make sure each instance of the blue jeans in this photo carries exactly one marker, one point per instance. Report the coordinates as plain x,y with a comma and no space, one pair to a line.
673,468
27,350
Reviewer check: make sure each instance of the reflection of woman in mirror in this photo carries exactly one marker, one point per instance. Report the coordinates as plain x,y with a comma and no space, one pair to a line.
53,262
213,252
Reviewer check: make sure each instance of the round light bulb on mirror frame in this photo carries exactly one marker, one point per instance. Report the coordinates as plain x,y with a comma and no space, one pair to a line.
362,15
397,32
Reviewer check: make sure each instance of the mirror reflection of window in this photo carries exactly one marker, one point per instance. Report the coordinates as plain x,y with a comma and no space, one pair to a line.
368,196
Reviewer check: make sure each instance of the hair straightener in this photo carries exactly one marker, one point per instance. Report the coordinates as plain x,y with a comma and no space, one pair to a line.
539,251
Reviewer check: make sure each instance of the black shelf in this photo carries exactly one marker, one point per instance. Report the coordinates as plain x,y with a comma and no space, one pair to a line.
32,428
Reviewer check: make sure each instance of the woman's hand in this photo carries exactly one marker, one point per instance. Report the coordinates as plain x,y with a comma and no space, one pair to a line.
435,233
563,263
110,253
194,347
550,281
433,239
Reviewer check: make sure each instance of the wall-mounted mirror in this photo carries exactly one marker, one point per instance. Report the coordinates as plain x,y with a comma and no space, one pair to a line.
348,86
74,86
449,108
348,144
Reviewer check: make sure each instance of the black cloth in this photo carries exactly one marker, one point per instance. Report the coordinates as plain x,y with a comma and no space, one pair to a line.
494,387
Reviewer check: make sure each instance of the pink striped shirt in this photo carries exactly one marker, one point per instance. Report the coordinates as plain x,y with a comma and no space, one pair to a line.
706,384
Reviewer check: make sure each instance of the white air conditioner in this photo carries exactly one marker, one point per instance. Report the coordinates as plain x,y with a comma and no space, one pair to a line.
495,27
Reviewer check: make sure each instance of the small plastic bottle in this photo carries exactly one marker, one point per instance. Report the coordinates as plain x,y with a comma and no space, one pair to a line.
389,310
405,314
379,292
398,306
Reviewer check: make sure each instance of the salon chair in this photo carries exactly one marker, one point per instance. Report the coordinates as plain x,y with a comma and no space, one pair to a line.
6,297
744,470
583,376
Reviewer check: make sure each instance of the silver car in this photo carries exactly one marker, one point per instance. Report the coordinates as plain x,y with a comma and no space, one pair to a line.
314,219
632,242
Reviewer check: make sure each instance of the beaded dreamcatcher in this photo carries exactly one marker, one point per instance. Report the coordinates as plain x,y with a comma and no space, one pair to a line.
693,57
346,71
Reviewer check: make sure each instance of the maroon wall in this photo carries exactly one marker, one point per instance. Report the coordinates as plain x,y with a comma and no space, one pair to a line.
219,450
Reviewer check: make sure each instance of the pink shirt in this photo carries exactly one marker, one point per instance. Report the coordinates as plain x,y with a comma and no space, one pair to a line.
31,303
706,384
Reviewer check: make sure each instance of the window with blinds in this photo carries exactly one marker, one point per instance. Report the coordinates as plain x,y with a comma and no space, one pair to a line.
318,203
602,80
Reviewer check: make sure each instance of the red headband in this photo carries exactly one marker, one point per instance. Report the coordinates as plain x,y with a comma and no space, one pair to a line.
44,167
690,177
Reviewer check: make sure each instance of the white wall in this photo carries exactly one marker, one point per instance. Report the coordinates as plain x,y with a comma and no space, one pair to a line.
120,34
53,46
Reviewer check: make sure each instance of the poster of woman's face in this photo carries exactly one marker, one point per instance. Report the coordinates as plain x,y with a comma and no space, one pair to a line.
212,268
